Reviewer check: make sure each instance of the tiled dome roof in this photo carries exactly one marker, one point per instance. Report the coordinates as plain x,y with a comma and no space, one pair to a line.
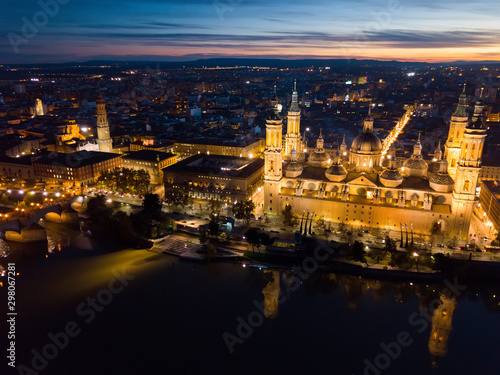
442,179
391,174
415,163
434,167
336,170
318,156
294,167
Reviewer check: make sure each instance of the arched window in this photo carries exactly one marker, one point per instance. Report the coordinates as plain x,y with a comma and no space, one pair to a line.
467,185
473,151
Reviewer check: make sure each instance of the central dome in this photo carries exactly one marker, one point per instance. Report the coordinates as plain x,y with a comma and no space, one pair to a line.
366,142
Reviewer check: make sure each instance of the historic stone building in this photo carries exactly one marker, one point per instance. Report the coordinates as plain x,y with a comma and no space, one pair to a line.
361,187
103,134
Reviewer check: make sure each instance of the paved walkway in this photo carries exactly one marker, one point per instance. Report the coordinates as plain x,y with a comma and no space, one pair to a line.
175,245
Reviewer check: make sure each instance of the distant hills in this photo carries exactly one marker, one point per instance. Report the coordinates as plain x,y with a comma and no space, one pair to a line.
264,62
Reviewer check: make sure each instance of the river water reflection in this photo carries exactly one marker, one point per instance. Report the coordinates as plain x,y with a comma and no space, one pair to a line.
188,318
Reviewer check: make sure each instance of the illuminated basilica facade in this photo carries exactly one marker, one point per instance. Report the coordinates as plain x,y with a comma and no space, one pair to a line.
359,186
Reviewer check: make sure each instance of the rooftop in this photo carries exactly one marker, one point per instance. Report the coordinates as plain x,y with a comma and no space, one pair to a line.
493,187
76,159
148,155
217,165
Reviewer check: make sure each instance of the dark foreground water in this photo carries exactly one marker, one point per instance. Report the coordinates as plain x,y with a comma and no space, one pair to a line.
158,317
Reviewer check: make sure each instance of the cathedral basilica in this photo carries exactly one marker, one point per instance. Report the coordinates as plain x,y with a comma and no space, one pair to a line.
361,185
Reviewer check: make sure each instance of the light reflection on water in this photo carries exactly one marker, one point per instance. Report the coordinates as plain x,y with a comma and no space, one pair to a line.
331,321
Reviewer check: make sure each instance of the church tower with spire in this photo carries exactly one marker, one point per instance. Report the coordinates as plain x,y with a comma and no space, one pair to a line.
273,157
458,123
292,138
103,135
467,176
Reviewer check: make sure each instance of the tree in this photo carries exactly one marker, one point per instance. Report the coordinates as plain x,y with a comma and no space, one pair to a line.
289,217
358,252
257,238
243,210
390,245
400,260
5,200
97,207
376,232
126,179
453,242
253,237
320,225
203,237
176,198
29,182
213,228
265,239
342,227
151,203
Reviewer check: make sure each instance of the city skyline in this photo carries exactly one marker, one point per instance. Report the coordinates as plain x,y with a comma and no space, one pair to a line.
49,31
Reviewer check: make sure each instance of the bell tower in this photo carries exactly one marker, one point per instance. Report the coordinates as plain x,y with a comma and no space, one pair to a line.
103,135
467,175
293,139
458,123
273,157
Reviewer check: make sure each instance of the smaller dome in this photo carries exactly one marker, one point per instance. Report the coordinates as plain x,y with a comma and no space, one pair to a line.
318,156
434,167
294,167
399,162
391,174
442,179
415,163
336,170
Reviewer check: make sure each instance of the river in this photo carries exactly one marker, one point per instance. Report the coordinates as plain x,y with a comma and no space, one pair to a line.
156,314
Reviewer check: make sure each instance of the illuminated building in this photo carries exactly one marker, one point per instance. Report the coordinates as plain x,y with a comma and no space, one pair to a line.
75,169
71,133
247,148
356,187
215,177
151,161
39,110
489,198
19,168
103,135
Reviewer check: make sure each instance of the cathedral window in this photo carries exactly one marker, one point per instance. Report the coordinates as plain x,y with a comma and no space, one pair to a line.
467,185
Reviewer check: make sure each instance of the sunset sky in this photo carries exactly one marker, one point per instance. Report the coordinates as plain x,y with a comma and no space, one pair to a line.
407,30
